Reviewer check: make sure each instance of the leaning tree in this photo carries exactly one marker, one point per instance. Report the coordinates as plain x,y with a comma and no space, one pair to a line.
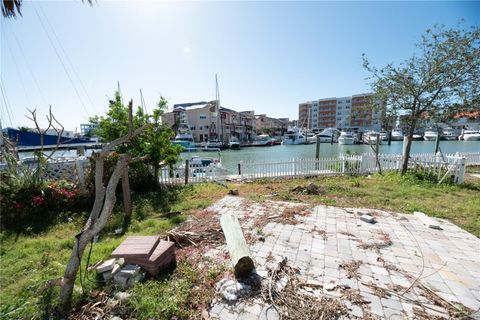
442,74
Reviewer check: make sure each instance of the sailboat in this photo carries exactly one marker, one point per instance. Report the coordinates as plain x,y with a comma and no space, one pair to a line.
214,143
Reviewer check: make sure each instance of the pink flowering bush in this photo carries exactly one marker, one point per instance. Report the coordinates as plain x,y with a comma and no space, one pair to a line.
28,206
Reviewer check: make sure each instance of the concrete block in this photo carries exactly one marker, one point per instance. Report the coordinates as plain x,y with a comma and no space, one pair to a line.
367,218
105,266
129,271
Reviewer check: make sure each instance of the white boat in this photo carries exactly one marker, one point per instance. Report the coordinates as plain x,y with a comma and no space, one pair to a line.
470,135
384,135
430,134
202,167
293,136
417,136
329,135
311,137
234,143
185,140
263,140
347,138
449,134
397,134
212,145
371,137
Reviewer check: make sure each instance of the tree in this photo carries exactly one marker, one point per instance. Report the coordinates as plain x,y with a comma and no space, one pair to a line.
102,208
444,71
154,142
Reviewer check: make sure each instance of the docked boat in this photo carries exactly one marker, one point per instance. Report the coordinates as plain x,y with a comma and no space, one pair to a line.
212,145
234,143
397,134
371,137
347,138
311,137
329,135
449,134
384,135
263,140
202,167
470,135
293,136
185,140
430,134
417,136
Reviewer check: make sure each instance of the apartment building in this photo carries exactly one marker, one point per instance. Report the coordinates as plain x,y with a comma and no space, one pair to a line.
201,120
352,112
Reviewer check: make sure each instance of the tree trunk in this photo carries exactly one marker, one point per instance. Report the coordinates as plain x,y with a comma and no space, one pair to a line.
93,226
409,145
127,201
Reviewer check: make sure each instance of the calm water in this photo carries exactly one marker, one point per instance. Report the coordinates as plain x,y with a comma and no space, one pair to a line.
231,158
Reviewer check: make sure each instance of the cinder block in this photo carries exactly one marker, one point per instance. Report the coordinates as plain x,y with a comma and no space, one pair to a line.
367,218
105,266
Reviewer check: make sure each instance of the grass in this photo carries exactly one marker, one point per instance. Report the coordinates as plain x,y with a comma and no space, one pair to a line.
27,261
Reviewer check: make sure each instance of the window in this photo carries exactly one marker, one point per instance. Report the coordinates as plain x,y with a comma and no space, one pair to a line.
200,128
203,116
206,127
192,128
348,101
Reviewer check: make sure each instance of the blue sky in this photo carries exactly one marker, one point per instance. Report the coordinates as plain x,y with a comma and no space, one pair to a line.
269,56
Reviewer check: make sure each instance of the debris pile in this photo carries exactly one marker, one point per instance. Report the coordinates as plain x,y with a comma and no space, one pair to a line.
295,300
310,189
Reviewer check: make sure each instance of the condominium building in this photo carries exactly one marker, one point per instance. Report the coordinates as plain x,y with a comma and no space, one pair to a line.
352,112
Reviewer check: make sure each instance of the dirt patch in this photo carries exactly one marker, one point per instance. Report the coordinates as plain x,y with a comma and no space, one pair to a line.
310,189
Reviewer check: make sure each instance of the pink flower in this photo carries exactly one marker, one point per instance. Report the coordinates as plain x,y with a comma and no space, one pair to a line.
38,200
18,206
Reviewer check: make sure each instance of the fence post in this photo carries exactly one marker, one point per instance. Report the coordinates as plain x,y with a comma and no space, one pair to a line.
80,173
240,168
187,165
460,174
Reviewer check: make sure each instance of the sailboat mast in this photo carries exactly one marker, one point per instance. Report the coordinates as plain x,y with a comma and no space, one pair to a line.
217,97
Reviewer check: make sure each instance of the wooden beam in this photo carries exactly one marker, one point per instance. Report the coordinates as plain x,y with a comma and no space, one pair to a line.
237,246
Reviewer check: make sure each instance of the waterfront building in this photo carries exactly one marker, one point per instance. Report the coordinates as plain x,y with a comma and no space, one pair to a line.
87,128
274,126
201,119
352,112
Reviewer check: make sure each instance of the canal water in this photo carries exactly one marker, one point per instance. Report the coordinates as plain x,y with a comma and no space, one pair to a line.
231,158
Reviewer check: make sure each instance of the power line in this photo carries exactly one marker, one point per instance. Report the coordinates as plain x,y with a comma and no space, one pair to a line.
18,72
5,100
12,32
68,58
61,60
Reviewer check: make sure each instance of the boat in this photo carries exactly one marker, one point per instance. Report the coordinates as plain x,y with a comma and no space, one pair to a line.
263,140
234,143
449,134
417,136
347,138
212,145
397,134
311,138
371,137
329,135
384,135
185,140
293,136
430,134
202,167
470,135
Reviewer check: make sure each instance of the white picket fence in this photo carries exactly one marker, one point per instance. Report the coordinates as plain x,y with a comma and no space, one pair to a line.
435,165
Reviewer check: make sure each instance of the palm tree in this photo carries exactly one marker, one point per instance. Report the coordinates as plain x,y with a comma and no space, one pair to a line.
11,8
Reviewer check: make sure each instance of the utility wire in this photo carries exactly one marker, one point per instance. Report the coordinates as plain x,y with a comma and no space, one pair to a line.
67,56
61,60
5,100
18,72
12,32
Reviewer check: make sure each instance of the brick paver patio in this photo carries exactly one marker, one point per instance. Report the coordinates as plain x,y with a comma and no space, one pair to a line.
446,261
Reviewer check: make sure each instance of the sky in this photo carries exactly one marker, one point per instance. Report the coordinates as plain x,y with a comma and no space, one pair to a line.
269,56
